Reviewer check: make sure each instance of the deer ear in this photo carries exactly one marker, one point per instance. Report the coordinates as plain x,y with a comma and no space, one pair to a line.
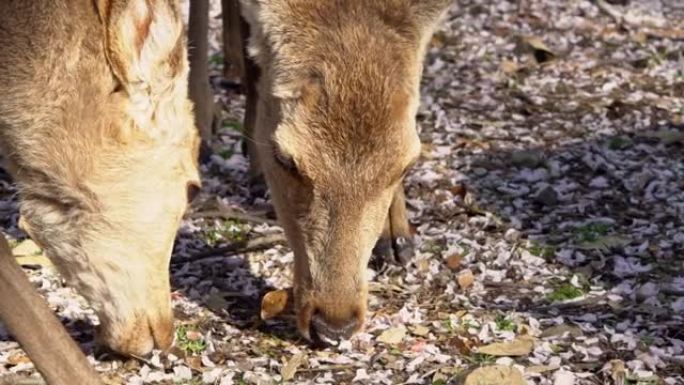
143,42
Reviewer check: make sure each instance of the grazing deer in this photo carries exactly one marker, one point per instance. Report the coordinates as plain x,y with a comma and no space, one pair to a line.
334,132
99,135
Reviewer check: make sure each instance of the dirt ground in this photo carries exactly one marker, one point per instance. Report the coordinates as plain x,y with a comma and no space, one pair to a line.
548,207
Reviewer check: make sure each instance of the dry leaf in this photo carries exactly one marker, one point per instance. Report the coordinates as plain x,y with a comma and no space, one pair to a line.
559,330
563,377
25,248
216,302
419,330
509,67
462,344
193,335
465,279
290,368
542,53
194,362
640,37
520,346
418,346
454,261
34,260
541,368
617,371
459,190
18,358
274,303
495,375
393,335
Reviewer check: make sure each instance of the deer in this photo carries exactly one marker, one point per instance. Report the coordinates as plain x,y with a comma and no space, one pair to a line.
98,134
332,93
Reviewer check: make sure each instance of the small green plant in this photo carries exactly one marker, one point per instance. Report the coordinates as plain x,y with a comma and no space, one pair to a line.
565,291
189,344
646,341
539,250
505,324
481,359
232,125
229,230
226,153
469,324
216,59
619,142
448,325
592,232
12,243
434,247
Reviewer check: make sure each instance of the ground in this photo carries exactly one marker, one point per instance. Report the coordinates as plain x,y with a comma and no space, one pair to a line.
548,207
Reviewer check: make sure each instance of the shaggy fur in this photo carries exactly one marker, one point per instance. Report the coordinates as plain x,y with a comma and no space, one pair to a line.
335,131
98,131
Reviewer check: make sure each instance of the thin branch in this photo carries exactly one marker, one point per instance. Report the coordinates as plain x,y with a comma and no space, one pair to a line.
255,244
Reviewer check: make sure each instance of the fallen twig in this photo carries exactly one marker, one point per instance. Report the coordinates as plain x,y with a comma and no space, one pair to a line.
255,244
329,368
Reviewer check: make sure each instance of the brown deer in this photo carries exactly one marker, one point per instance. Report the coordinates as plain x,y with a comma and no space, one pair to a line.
98,133
334,133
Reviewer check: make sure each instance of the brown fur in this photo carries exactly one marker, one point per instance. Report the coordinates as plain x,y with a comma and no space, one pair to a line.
335,131
98,132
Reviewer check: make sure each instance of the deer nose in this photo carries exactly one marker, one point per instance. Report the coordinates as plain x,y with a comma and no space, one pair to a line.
331,332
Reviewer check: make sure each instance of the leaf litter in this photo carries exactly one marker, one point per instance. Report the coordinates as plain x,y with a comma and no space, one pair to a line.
553,163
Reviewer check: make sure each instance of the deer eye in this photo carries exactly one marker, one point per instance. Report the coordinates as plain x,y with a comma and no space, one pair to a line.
192,191
285,161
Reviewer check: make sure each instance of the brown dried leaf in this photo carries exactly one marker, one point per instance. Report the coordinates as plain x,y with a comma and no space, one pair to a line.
26,247
541,368
462,344
559,330
509,67
495,375
459,190
274,303
18,358
542,53
465,279
454,261
34,260
194,362
290,368
392,335
419,330
520,346
618,371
